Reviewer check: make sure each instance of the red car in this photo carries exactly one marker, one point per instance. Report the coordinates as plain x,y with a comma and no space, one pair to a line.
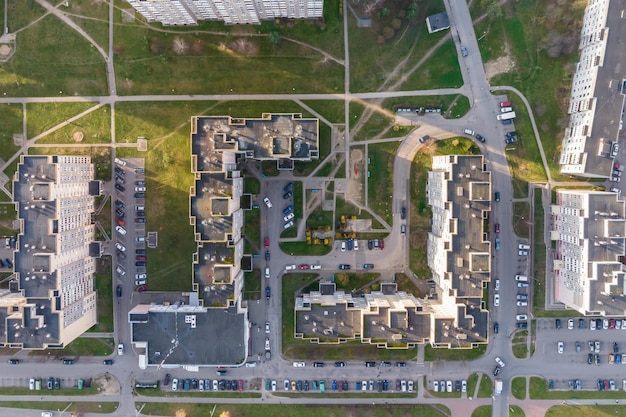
119,221
303,267
497,228
505,104
240,385
142,288
611,323
381,244
267,242
140,258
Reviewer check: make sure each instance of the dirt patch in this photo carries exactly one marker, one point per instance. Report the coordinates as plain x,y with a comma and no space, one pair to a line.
78,136
501,65
356,174
107,384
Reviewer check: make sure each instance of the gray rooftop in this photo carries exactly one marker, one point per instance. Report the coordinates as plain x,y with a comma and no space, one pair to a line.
185,335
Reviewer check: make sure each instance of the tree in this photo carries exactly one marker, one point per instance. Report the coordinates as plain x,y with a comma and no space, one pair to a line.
396,24
388,32
380,40
274,38
385,12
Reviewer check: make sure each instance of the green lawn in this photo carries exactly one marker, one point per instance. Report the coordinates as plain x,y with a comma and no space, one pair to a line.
584,411
331,110
521,219
37,68
252,227
432,354
104,286
7,215
12,117
102,407
302,248
252,285
155,62
485,390
516,411
482,411
380,183
353,281
43,116
92,17
256,410
520,188
83,346
518,388
472,380
441,70
94,127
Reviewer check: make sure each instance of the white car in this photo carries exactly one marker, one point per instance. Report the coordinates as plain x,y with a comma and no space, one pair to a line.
267,202
289,217
469,132
120,349
120,230
499,362
314,267
288,224
273,385
120,247
290,267
174,384
496,300
267,327
299,364
201,385
403,385
449,386
522,253
31,384
592,324
215,385
140,189
267,343
140,276
523,246
570,324
596,346
356,244
120,270
522,303
139,282
464,386
521,317
410,386
436,386
364,386
497,285
343,245
560,347
286,384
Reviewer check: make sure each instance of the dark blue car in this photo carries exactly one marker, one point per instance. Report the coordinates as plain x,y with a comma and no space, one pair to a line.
288,209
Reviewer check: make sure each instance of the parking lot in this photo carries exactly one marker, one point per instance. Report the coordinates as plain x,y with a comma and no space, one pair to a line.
129,216
577,345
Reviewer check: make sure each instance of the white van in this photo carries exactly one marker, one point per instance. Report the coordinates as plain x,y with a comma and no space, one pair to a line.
523,278
267,272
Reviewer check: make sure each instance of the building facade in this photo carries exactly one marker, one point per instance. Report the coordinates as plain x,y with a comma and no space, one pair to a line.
596,105
231,12
589,231
51,298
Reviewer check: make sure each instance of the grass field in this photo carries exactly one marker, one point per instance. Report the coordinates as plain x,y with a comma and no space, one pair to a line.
432,354
485,390
521,219
104,286
12,116
83,346
252,285
74,407
36,70
380,184
516,411
518,388
472,380
92,17
95,127
255,410
548,52
43,116
331,110
585,411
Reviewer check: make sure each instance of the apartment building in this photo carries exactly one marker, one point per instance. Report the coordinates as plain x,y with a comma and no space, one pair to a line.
589,231
51,298
231,12
596,108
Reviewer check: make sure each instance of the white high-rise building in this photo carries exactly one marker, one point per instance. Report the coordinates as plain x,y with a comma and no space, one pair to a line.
589,231
231,12
51,298
596,107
